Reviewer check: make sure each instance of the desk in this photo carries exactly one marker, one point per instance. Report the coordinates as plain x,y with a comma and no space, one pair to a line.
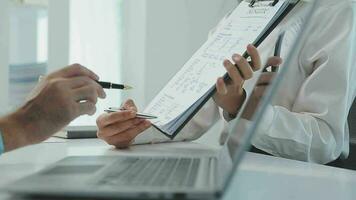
259,176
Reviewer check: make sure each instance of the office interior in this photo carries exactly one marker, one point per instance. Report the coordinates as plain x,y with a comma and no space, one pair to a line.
129,41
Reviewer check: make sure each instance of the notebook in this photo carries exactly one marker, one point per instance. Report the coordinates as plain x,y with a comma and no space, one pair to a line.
194,84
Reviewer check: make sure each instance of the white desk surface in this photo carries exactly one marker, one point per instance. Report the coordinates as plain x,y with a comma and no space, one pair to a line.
259,176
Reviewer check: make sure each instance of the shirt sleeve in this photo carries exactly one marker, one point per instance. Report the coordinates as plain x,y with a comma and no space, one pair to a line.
1,144
315,128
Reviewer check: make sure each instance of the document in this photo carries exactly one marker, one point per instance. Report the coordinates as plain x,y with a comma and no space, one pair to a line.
189,88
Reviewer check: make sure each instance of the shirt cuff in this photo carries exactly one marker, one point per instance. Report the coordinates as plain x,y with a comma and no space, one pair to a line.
1,144
264,126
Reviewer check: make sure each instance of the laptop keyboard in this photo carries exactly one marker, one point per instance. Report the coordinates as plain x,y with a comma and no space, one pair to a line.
173,172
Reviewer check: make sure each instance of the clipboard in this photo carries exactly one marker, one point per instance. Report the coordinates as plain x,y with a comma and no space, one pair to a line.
186,116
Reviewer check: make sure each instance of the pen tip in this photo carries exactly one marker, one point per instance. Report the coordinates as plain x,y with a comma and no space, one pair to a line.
127,87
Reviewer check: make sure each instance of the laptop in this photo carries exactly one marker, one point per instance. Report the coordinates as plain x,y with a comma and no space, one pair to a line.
156,176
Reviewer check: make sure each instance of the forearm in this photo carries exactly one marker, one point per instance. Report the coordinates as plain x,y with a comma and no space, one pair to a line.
13,134
20,128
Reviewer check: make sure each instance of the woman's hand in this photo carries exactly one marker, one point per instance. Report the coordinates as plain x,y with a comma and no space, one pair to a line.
120,128
230,96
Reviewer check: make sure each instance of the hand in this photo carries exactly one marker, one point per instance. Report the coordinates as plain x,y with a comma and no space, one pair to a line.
57,100
258,92
121,128
230,96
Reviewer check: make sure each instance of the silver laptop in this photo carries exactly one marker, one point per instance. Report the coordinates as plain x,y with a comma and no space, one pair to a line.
155,176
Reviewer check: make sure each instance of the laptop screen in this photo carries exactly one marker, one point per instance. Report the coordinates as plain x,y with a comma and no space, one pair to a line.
267,91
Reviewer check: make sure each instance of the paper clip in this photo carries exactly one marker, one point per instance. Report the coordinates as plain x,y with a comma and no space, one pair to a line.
252,3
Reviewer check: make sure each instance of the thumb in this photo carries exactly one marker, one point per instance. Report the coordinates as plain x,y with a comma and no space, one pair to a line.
274,61
130,105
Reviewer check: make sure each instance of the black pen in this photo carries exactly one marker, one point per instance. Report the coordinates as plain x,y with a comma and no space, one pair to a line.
277,50
108,85
252,3
277,53
274,2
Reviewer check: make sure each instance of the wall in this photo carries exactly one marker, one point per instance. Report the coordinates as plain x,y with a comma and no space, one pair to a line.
175,30
23,35
161,35
4,54
95,32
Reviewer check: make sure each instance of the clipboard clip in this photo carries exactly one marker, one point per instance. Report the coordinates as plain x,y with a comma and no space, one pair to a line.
252,3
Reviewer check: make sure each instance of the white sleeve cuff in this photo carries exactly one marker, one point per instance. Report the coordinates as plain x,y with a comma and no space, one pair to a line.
264,125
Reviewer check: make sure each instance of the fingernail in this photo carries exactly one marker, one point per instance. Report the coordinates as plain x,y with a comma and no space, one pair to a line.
95,77
237,58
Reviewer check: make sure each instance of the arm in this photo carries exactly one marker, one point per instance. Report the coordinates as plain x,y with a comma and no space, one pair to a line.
58,99
314,128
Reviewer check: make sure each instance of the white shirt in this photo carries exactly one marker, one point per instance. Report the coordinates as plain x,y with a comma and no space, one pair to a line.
308,121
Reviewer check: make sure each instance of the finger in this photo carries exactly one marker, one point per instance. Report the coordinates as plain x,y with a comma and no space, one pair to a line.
243,65
81,83
86,108
130,105
115,117
86,93
255,57
274,61
221,87
119,128
233,73
77,70
122,141
266,78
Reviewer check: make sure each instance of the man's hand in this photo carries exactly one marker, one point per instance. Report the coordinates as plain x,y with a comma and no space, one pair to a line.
57,100
120,128
230,96
258,92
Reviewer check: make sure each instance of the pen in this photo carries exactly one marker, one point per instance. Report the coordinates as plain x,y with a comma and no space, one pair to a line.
274,2
277,53
277,50
108,85
252,3
138,115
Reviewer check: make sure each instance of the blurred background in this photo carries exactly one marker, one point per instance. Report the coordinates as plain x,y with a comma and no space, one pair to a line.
137,42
